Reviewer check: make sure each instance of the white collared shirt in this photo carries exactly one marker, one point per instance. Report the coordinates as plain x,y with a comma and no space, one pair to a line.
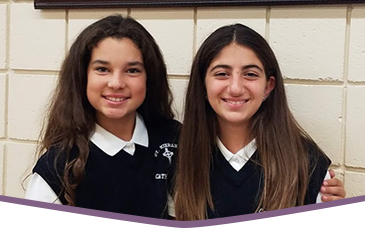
39,190
239,159
111,144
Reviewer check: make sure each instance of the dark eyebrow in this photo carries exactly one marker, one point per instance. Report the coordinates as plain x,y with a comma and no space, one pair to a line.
103,62
135,63
252,66
220,66
244,67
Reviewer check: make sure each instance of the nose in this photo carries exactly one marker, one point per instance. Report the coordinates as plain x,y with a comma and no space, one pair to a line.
236,85
116,81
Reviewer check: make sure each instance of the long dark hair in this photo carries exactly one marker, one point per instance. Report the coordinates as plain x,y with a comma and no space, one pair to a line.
71,118
279,138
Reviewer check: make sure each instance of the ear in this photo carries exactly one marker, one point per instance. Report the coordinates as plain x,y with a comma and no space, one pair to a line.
270,85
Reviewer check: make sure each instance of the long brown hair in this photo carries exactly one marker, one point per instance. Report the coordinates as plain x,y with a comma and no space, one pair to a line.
279,138
71,118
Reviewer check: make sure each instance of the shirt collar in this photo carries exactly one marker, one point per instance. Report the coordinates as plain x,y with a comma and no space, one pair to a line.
111,144
244,154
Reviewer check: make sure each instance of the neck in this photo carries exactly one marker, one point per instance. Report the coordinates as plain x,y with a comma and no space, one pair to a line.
234,137
122,128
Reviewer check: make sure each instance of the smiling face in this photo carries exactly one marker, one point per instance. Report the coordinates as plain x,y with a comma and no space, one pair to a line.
236,85
116,84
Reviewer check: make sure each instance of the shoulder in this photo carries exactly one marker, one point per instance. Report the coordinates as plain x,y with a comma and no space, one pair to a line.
52,162
51,159
50,166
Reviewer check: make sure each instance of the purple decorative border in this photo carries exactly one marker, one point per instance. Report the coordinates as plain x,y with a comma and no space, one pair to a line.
198,224
170,223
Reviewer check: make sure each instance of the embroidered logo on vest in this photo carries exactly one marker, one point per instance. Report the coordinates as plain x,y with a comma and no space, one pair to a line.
166,150
168,154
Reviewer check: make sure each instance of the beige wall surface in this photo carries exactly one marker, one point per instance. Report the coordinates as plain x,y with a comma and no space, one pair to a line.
321,50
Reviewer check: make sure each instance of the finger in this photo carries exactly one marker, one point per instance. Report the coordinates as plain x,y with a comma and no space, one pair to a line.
332,173
335,191
333,182
327,198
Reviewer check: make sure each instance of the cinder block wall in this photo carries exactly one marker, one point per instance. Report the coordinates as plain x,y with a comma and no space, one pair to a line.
321,50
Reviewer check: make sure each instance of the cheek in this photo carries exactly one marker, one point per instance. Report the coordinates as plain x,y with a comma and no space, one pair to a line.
92,85
257,89
210,87
215,89
258,95
140,88
142,93
214,92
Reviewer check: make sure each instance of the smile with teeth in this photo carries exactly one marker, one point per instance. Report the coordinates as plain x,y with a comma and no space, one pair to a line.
116,99
235,102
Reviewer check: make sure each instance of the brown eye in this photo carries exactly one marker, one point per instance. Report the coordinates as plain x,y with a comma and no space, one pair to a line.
102,69
252,75
133,70
221,74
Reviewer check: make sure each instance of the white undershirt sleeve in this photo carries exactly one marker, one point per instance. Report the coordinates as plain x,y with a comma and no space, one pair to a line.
319,196
39,190
170,205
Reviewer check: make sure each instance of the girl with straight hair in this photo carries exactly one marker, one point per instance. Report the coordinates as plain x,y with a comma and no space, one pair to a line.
109,135
241,150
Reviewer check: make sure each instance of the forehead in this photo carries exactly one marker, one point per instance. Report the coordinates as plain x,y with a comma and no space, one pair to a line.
115,48
236,54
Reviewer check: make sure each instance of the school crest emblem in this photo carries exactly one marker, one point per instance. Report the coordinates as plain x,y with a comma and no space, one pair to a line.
167,150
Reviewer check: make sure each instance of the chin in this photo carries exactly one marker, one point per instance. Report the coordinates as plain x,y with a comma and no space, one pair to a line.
234,121
114,115
237,119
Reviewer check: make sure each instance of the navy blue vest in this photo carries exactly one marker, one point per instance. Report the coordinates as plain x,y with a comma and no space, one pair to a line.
237,193
122,183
